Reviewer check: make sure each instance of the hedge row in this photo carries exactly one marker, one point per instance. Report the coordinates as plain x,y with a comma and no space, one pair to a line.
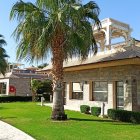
95,111
124,116
15,98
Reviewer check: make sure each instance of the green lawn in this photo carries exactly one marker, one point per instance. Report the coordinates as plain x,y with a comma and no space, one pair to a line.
35,120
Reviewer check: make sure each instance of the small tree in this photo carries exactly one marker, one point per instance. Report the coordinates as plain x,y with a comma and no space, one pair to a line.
35,84
40,87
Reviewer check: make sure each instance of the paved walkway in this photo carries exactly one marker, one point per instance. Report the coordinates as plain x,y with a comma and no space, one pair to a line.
66,107
8,132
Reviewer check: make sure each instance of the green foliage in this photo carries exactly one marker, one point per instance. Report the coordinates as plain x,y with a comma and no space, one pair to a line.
4,99
35,84
121,115
47,86
85,109
135,117
42,87
3,56
95,111
35,121
42,65
61,28
124,115
39,24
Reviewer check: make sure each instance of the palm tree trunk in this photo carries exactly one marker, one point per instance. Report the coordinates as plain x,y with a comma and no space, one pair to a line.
57,70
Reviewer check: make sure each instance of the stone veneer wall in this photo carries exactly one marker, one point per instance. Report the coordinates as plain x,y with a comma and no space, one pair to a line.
22,86
128,74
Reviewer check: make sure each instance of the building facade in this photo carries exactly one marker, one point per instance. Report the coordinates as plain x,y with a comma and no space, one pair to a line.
17,81
109,79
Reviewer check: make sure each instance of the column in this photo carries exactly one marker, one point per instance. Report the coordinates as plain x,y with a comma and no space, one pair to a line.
128,95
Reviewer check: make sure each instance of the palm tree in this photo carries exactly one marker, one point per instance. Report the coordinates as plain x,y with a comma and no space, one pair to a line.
3,56
61,27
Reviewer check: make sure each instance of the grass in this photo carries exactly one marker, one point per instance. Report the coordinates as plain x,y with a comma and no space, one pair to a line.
35,120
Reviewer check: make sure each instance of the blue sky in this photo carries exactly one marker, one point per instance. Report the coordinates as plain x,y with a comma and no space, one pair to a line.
127,11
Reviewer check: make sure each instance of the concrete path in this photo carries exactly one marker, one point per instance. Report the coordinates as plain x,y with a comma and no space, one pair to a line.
65,107
8,132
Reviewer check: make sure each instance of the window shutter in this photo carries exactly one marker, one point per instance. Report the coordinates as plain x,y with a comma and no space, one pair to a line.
70,90
114,95
90,90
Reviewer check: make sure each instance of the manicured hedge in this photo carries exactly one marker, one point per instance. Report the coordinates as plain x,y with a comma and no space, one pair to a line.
96,111
85,109
124,116
15,98
135,117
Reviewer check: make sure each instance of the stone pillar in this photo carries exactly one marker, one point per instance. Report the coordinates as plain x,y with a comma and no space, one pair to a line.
108,40
102,45
108,37
86,92
110,95
134,95
67,86
128,94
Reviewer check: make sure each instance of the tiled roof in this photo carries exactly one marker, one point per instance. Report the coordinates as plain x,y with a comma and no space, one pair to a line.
23,75
111,55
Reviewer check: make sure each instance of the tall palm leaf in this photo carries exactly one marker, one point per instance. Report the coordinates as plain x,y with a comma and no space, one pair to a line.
3,56
61,27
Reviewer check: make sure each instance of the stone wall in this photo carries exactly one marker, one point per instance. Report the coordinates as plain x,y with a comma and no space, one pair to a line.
22,86
128,74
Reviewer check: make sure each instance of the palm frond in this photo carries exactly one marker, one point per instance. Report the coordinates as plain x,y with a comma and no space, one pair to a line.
3,56
38,24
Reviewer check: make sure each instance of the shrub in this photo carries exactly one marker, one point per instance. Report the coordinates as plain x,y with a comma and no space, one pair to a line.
121,115
135,117
111,113
124,116
96,111
85,109
15,98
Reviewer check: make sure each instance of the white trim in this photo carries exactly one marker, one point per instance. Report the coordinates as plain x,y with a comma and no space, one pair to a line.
7,85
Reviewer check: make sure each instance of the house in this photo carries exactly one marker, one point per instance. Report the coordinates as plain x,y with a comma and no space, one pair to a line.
109,79
17,81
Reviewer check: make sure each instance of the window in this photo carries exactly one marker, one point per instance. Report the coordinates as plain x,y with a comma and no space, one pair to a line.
120,95
3,88
77,91
100,91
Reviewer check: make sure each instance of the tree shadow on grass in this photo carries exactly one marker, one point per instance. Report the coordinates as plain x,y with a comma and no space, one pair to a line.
2,108
125,123
4,118
113,122
90,120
